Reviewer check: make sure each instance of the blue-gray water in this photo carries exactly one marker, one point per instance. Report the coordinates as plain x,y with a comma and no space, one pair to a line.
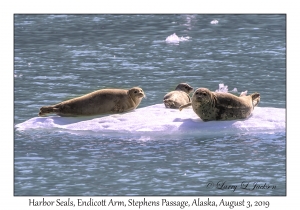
58,57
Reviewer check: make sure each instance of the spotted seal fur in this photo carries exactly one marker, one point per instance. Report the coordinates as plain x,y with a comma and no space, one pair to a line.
210,105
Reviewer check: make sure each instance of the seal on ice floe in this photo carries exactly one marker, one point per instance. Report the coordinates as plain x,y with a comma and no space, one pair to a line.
178,97
210,105
104,101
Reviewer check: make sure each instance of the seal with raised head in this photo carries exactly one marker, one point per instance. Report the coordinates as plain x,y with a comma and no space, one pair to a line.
104,101
178,97
210,105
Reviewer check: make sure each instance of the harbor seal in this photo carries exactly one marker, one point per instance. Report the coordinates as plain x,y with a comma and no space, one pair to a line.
210,105
105,101
178,97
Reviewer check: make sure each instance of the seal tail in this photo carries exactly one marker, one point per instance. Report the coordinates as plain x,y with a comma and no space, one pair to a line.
47,110
255,99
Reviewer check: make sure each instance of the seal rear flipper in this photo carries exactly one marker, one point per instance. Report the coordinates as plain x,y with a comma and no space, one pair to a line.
255,99
169,103
47,110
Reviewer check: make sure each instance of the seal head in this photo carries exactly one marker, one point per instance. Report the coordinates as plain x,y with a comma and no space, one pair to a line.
184,87
136,94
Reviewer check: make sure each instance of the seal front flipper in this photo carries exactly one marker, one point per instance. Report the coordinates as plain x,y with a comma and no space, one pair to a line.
47,110
184,106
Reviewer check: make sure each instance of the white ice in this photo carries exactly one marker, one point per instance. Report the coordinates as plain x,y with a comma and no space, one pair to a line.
157,119
175,39
214,22
222,88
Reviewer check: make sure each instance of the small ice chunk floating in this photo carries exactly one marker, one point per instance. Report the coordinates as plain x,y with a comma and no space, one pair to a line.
175,39
214,22
224,89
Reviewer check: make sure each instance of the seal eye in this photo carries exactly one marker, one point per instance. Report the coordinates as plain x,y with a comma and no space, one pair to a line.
135,91
204,94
